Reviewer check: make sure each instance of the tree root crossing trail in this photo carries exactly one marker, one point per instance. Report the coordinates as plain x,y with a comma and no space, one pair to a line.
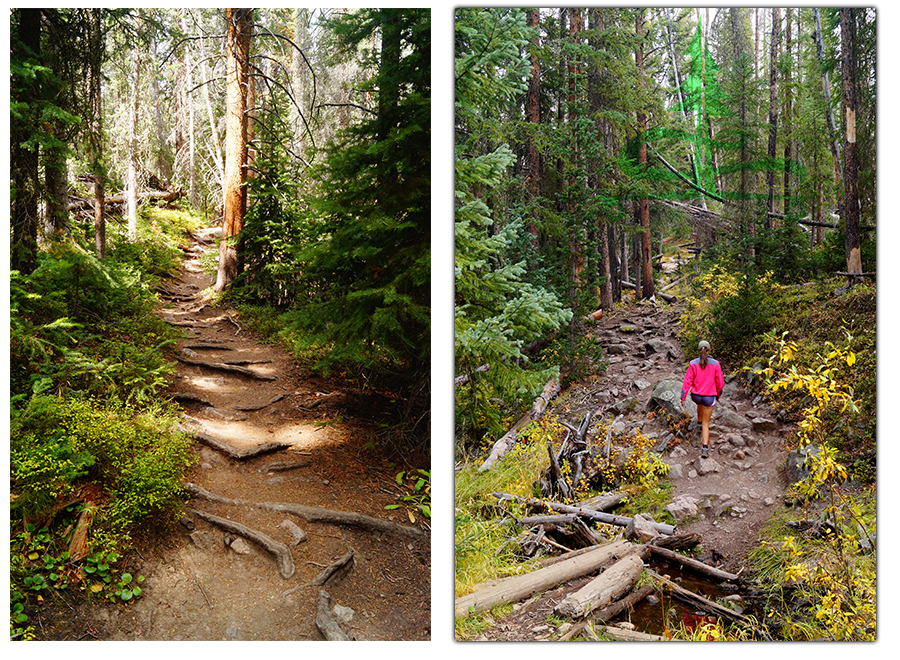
285,536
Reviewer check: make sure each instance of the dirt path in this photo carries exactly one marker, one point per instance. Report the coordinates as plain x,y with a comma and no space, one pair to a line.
204,583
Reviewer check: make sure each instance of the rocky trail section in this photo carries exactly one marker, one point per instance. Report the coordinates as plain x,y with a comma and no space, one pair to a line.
287,488
724,500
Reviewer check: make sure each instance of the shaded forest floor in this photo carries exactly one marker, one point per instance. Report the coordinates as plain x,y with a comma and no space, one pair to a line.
203,582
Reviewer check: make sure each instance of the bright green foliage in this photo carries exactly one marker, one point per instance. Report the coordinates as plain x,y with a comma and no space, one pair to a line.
136,459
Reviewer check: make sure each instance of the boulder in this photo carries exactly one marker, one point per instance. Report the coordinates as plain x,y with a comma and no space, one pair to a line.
666,396
730,419
763,424
641,529
682,507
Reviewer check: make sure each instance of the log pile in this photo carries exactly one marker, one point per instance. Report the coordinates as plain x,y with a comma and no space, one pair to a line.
601,578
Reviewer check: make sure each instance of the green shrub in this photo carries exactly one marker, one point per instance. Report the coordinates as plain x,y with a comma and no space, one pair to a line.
137,459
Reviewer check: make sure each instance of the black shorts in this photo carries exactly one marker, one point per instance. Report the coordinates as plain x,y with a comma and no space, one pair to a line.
701,400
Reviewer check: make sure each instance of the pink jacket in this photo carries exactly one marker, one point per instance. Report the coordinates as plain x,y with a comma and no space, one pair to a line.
705,382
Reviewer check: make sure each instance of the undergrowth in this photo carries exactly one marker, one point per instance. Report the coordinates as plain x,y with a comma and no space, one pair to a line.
94,454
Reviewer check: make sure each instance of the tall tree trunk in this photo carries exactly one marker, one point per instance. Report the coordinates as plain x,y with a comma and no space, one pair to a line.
788,110
533,108
24,171
826,93
646,290
237,66
132,145
851,156
773,114
96,139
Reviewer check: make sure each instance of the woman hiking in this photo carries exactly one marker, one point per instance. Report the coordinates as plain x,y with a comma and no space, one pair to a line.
705,382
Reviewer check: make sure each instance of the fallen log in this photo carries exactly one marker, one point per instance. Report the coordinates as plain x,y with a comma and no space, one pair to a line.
665,296
610,585
508,441
693,564
219,366
602,502
599,516
519,587
678,541
158,195
625,635
280,550
704,604
312,513
326,621
610,611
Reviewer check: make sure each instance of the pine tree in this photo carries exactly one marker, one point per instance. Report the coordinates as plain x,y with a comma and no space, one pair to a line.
370,267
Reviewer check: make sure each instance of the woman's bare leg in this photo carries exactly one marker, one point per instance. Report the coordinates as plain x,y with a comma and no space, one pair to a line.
704,414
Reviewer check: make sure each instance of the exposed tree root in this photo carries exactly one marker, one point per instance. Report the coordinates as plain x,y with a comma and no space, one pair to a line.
326,621
233,452
220,366
342,566
274,399
313,513
280,550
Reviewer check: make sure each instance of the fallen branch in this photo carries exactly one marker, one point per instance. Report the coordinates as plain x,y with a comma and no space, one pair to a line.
705,604
280,550
508,441
693,564
599,516
313,513
326,621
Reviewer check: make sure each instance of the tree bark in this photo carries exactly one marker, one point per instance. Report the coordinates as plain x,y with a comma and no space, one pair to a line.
773,113
237,67
24,172
96,140
647,290
851,156
513,589
533,109
826,93
132,145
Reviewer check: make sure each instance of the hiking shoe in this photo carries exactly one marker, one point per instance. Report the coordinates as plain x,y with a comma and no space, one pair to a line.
704,452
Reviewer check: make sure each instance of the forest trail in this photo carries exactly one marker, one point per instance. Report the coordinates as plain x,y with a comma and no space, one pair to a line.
733,492
737,488
204,582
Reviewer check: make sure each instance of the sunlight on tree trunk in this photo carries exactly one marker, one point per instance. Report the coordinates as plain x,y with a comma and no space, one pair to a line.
235,193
